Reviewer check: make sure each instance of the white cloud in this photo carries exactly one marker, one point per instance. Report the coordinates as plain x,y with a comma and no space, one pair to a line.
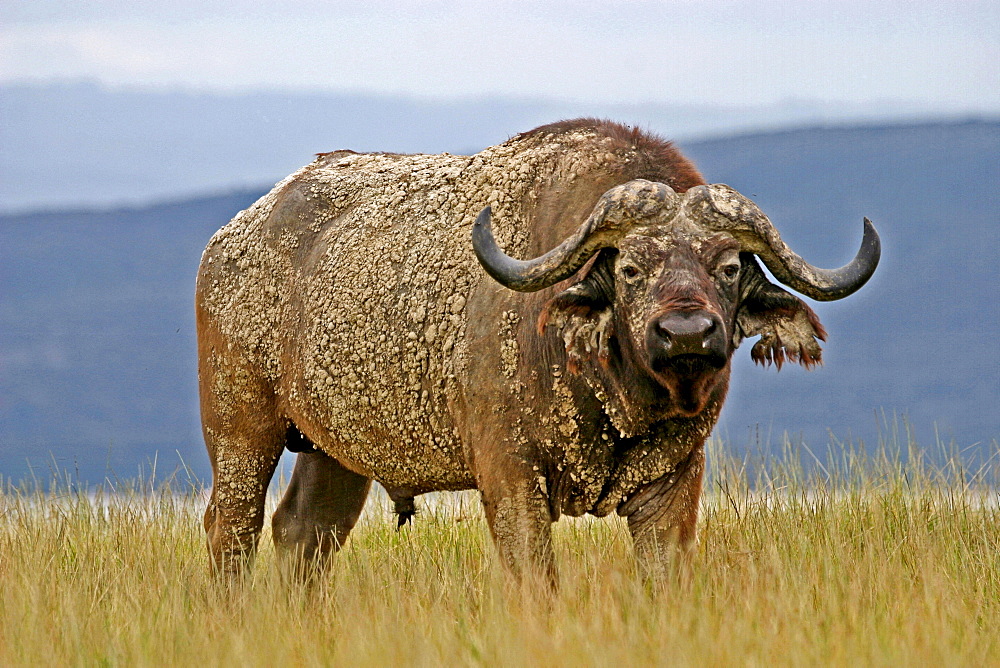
944,55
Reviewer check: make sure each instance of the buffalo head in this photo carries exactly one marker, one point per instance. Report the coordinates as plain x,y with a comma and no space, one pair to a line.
671,288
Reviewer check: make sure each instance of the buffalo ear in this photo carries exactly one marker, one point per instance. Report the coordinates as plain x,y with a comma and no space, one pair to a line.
584,312
788,328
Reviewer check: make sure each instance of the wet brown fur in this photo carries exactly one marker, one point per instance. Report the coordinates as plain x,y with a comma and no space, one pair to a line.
657,158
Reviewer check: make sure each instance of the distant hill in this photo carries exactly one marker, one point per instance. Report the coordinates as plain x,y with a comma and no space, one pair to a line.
84,145
97,362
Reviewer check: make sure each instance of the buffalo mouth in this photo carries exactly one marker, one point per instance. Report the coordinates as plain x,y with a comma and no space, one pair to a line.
689,365
688,379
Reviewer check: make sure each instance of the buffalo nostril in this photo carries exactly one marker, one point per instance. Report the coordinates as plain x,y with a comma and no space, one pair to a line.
706,335
685,325
662,328
686,332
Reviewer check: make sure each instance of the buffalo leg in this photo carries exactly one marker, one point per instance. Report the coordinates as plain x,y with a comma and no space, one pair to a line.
244,437
243,461
319,509
519,518
664,529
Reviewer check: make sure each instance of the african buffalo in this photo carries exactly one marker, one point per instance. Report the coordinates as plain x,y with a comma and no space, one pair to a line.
347,316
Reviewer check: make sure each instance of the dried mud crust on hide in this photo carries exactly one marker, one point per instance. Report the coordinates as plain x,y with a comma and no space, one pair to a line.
347,315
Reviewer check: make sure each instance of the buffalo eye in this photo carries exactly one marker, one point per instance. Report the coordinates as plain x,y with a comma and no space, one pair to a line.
630,271
730,271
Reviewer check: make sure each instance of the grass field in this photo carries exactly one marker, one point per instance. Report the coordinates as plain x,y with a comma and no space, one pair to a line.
881,560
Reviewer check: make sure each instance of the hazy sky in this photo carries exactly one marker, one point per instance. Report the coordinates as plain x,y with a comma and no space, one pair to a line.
938,55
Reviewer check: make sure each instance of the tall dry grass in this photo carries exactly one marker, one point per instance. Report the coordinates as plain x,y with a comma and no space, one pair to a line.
882,560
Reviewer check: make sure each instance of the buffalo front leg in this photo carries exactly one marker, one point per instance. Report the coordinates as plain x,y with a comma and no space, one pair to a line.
243,462
663,518
244,438
319,509
517,511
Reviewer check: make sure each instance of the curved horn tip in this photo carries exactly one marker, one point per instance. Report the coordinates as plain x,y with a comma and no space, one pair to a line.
870,231
872,242
849,278
486,214
511,273
482,234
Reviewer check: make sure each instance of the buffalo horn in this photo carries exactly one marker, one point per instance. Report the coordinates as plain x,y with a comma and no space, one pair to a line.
615,213
738,215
